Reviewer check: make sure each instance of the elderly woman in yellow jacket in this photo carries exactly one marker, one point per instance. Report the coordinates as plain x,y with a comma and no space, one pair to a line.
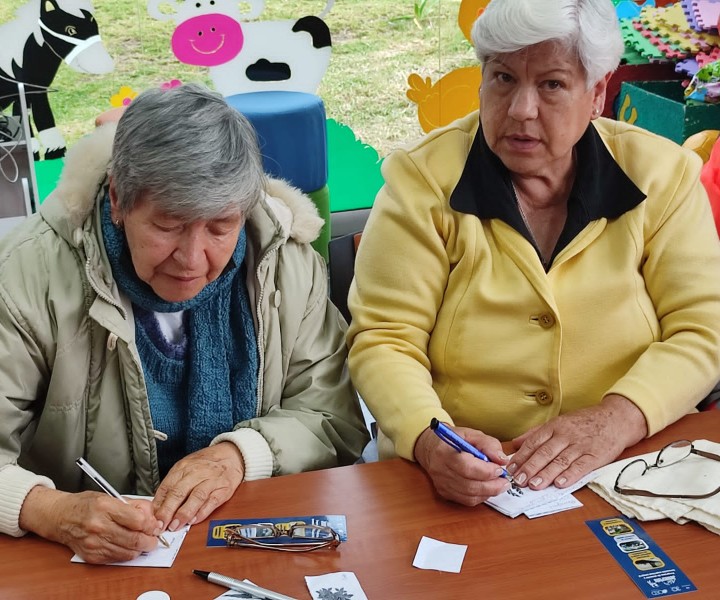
533,272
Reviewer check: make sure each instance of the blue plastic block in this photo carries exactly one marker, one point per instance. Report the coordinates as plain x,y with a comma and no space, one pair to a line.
291,129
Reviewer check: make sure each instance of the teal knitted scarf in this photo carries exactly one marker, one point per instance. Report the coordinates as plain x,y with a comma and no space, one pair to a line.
221,362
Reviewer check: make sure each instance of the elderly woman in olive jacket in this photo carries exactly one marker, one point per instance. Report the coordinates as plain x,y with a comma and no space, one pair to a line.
72,382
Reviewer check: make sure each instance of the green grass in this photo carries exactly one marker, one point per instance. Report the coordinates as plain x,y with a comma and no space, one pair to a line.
376,45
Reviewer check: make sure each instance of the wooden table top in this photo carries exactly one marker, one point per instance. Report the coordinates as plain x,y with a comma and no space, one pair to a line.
389,506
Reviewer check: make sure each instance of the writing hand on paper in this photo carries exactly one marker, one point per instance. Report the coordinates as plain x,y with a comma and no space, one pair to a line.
97,527
459,476
197,484
570,446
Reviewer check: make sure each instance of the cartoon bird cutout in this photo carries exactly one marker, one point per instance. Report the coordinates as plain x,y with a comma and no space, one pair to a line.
469,11
455,94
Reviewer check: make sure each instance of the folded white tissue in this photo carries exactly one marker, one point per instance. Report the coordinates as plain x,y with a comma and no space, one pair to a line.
693,475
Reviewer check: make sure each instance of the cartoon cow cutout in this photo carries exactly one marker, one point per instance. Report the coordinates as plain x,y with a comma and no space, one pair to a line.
43,34
248,56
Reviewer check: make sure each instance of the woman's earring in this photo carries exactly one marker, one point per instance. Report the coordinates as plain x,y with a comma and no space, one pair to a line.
116,222
595,113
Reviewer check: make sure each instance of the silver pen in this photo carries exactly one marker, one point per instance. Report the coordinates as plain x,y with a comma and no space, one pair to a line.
241,586
105,486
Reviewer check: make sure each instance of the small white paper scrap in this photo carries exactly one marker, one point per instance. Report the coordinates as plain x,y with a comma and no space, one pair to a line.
335,586
160,557
439,556
154,595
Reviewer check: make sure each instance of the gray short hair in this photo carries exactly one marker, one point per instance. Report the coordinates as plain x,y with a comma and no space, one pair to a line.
189,151
590,28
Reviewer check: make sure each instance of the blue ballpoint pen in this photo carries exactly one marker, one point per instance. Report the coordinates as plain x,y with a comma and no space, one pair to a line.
451,438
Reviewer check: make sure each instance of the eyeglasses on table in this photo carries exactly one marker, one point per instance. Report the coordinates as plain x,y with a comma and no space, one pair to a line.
296,538
672,454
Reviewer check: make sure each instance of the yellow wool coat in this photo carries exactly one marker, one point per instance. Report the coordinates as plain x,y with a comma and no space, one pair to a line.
454,316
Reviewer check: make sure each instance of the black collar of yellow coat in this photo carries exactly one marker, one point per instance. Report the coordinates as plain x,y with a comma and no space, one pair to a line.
601,188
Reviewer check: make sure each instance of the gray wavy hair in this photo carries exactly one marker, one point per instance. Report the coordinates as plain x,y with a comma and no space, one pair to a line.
189,152
590,28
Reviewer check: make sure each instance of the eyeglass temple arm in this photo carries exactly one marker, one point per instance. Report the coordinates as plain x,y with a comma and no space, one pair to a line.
705,454
647,494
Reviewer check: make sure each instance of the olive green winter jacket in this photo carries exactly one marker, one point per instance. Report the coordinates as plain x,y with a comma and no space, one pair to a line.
71,383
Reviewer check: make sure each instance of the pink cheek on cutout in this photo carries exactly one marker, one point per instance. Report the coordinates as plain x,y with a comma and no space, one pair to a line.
207,40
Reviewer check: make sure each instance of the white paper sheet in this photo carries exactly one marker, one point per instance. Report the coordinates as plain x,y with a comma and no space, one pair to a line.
439,556
343,584
517,500
565,503
160,557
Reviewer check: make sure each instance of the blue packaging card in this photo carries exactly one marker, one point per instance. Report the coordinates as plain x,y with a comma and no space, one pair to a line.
216,529
641,558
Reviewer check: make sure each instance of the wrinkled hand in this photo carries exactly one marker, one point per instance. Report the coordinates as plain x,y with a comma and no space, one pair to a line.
99,528
459,476
198,484
570,446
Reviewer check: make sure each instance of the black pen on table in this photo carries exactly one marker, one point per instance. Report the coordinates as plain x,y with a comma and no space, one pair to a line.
452,439
105,486
241,586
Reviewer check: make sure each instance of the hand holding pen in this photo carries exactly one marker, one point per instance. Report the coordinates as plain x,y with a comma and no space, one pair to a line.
451,438
106,487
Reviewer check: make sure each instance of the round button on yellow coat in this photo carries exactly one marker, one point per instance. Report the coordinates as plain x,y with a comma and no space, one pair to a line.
546,320
543,397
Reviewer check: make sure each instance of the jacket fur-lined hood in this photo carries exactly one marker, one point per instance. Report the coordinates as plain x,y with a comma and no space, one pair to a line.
86,169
